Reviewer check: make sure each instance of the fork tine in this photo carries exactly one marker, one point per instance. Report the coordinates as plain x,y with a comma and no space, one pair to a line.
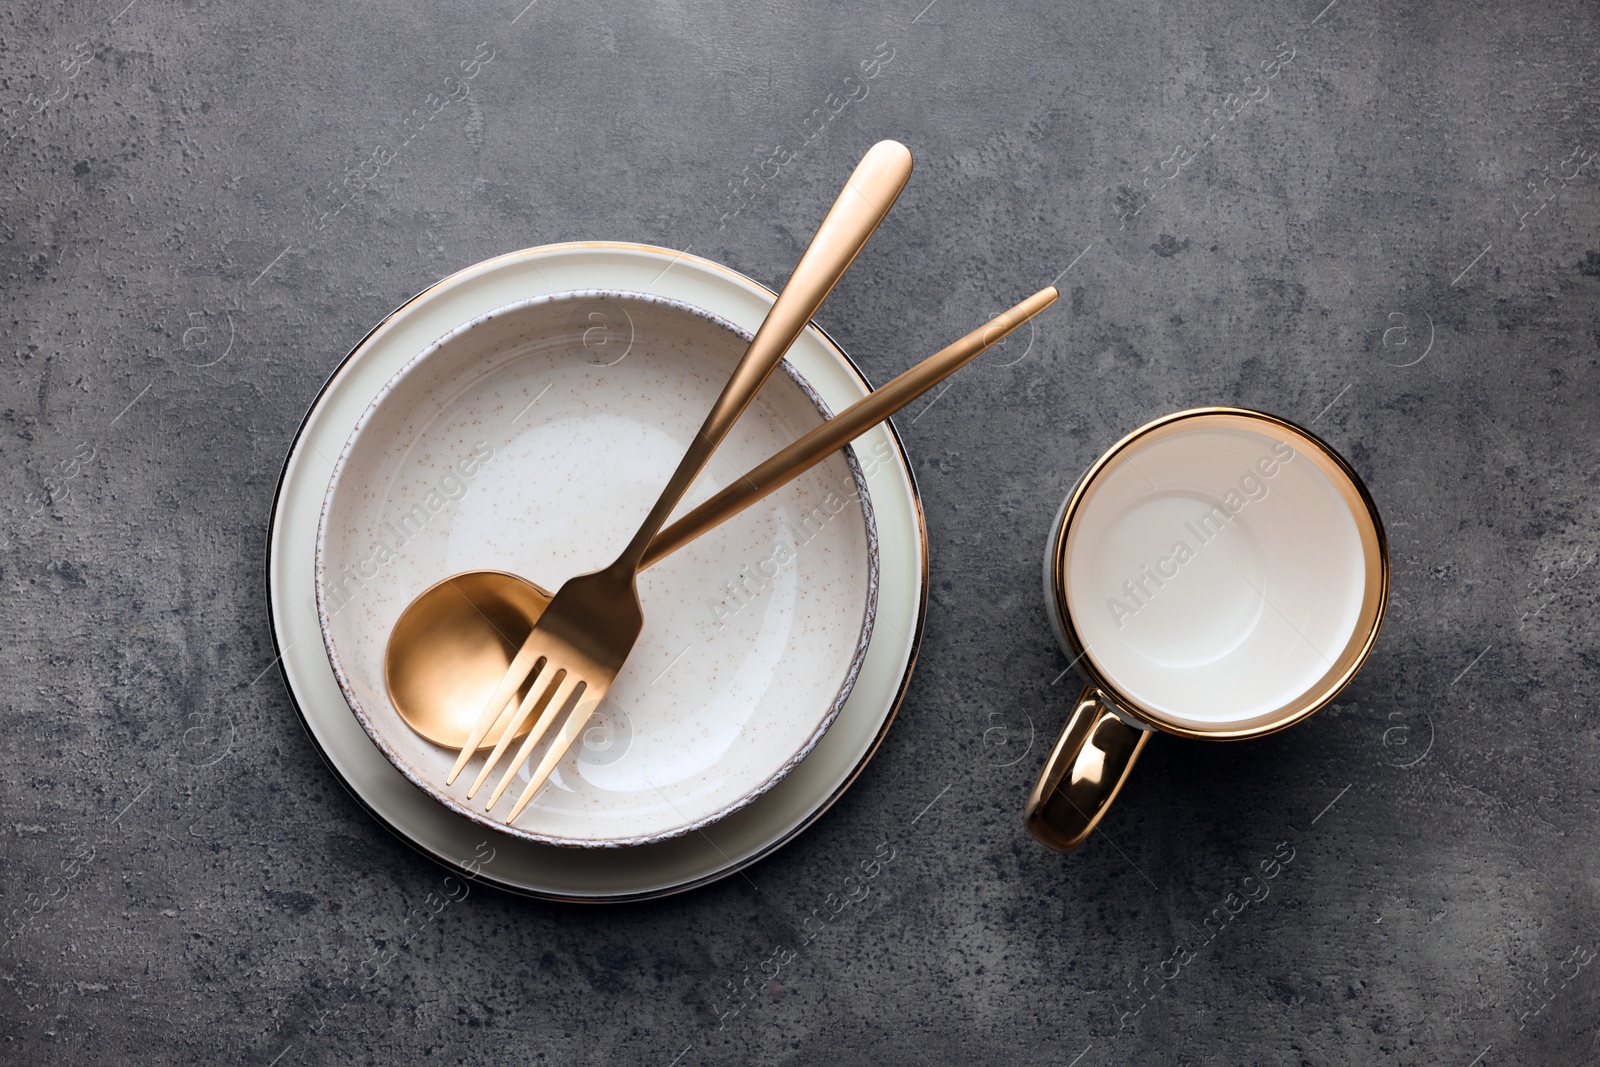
504,693
558,748
542,686
562,692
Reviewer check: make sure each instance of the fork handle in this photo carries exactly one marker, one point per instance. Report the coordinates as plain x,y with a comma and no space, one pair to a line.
861,206
852,422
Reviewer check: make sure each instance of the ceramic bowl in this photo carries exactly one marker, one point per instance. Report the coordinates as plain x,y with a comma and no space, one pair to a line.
533,439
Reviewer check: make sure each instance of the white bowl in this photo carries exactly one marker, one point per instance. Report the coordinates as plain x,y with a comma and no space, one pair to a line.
533,439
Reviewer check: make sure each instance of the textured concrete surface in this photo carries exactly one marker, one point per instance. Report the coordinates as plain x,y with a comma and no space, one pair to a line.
204,206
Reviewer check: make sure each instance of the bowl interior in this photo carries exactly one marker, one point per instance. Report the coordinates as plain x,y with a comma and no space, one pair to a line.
533,440
1223,572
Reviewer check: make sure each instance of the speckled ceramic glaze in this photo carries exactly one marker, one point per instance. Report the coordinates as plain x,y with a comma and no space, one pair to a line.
533,439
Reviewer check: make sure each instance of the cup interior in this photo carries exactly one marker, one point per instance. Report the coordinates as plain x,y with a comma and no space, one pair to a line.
1224,572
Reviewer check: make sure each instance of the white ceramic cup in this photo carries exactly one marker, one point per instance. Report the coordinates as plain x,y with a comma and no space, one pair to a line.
1219,573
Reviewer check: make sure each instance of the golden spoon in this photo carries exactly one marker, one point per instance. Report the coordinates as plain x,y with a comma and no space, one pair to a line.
454,643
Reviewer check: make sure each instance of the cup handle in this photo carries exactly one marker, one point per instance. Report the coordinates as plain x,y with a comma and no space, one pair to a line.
1091,760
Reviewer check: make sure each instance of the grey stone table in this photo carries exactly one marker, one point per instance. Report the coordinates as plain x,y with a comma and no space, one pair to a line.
1391,237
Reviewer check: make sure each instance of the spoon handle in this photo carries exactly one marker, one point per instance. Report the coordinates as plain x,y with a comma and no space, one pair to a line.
844,427
866,198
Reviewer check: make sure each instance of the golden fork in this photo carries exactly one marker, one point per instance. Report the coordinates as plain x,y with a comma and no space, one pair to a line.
782,468
584,635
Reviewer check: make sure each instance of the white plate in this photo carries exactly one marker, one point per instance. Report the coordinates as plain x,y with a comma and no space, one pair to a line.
543,870
512,445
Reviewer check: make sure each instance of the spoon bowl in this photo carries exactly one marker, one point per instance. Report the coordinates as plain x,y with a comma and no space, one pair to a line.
451,646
